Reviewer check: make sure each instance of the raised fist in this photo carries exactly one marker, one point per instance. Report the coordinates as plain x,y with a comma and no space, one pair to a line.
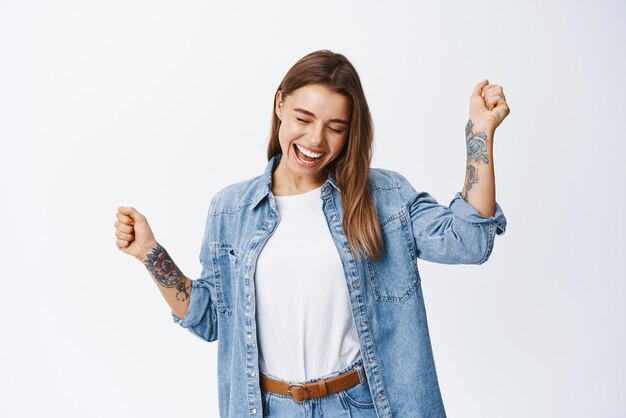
133,234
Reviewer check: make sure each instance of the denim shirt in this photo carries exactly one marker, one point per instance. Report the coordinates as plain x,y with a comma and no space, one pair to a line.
385,295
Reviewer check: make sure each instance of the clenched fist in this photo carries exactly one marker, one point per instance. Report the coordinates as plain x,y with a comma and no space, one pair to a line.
133,234
488,106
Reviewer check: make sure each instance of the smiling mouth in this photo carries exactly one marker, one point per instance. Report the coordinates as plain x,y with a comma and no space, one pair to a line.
305,158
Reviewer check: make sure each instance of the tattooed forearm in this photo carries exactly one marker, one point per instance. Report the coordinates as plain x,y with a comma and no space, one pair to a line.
476,144
471,178
476,155
183,290
165,271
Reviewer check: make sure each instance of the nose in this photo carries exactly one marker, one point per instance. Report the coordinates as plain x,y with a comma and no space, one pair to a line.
317,136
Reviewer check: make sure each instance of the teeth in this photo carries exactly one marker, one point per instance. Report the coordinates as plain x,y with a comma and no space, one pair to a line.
309,153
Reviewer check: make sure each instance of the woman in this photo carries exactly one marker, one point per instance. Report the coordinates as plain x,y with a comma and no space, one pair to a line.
309,277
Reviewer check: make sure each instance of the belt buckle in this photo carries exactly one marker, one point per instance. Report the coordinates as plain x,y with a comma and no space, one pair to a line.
308,393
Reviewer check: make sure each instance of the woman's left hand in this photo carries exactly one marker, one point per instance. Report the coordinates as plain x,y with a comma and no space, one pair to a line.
488,106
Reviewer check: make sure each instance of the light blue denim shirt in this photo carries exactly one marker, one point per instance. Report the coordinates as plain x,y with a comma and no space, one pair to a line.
386,295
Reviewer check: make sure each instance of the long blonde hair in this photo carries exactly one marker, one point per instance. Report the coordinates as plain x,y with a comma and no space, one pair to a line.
351,167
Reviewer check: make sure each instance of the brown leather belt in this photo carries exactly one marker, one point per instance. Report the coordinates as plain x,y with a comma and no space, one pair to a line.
300,393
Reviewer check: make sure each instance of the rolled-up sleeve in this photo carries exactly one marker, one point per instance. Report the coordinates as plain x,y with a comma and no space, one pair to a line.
453,234
201,316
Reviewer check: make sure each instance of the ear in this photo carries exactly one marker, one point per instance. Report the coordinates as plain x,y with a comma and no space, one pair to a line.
279,105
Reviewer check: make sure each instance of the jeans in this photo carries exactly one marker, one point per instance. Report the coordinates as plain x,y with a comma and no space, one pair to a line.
354,402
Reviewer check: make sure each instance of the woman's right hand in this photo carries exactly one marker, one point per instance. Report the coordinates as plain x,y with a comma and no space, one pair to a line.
133,234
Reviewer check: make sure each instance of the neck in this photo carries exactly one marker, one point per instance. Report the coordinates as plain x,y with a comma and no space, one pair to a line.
285,183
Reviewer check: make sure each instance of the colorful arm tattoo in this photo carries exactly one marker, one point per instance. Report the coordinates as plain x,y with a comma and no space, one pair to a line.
165,271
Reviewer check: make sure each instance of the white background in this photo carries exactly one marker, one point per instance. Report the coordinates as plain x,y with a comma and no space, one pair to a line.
158,105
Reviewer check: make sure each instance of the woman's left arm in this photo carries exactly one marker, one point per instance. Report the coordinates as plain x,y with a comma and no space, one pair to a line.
488,108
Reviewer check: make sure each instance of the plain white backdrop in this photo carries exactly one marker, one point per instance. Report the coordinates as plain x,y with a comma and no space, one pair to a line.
159,104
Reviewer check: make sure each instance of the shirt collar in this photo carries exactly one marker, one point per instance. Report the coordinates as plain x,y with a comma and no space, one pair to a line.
265,181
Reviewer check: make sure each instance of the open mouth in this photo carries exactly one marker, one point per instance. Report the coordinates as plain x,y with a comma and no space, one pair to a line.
306,159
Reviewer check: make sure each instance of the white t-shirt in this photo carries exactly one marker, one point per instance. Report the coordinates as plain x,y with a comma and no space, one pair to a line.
305,327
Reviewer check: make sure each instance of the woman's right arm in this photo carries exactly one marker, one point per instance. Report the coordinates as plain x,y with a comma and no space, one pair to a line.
134,237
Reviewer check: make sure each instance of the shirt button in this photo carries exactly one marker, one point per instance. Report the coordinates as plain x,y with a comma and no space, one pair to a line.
249,260
356,283
334,217
253,374
249,336
269,225
254,410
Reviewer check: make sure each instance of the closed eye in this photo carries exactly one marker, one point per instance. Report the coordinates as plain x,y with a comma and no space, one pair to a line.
306,121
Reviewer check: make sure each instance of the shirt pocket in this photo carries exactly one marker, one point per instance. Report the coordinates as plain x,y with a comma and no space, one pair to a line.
394,277
226,268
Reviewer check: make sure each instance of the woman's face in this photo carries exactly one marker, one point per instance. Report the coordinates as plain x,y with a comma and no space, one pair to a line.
314,120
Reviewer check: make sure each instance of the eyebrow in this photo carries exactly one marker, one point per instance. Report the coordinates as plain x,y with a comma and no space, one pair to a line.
306,112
